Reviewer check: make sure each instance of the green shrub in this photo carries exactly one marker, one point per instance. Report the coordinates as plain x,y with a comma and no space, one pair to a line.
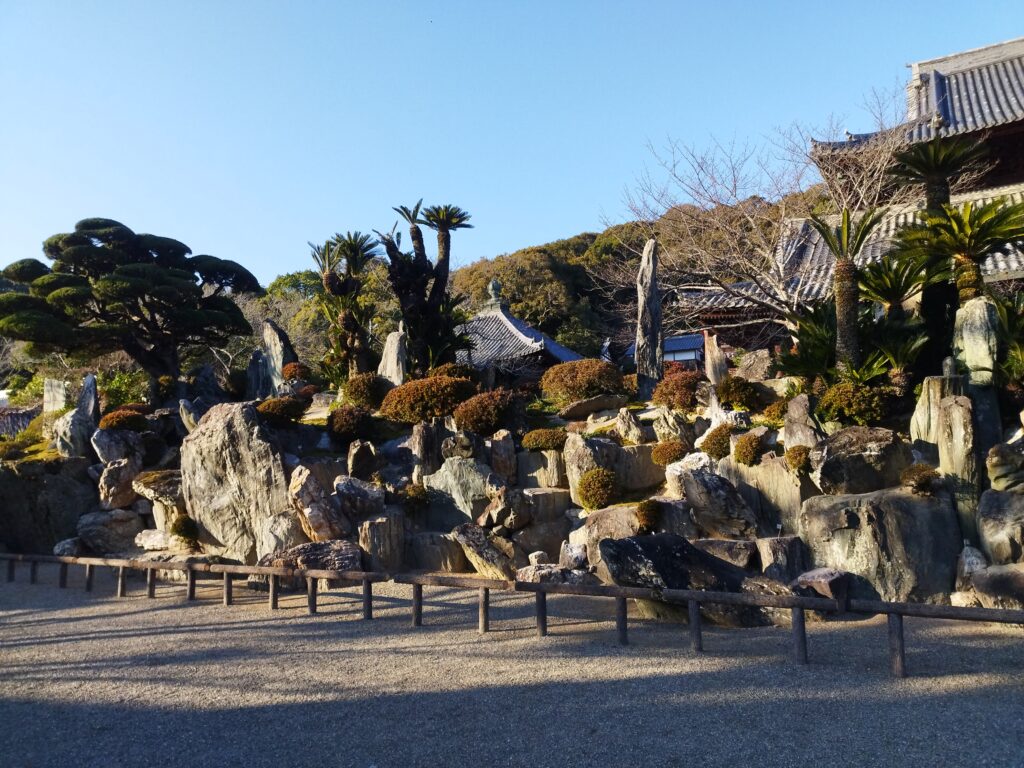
366,390
668,452
737,393
776,412
545,439
748,449
849,402
580,379
185,527
678,392
920,478
296,372
455,371
123,418
348,422
597,488
488,412
798,458
26,391
648,514
120,387
717,443
28,442
282,412
423,399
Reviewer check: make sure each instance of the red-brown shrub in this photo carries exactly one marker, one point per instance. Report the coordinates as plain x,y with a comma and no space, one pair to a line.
581,379
488,412
678,391
423,399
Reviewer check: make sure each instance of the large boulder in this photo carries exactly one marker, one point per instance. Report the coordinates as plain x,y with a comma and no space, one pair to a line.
617,522
501,450
109,531
771,489
541,469
1000,586
1005,466
904,545
115,444
162,488
234,482
319,511
72,433
756,365
487,558
547,573
358,499
335,555
583,408
717,507
278,352
382,540
459,492
1001,526
716,365
435,551
664,561
115,484
801,426
924,424
544,536
394,359
670,425
41,501
959,460
629,428
633,466
740,552
859,460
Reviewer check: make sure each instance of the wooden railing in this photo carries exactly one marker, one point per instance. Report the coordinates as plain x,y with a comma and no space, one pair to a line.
693,599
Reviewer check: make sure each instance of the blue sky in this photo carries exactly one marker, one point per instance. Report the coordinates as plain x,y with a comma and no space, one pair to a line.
246,129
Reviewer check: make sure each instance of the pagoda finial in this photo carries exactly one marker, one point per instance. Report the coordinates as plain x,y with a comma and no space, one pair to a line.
494,290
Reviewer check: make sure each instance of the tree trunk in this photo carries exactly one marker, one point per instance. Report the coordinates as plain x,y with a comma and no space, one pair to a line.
847,296
938,301
440,286
969,282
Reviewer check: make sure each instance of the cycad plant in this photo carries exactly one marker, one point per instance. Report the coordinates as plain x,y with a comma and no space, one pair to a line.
891,282
899,355
845,241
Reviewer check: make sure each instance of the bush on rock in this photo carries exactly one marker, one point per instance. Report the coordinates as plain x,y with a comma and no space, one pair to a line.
798,459
185,527
597,488
748,449
579,380
736,393
717,443
545,439
282,412
348,422
678,392
123,418
487,412
296,372
648,513
920,478
669,452
848,402
366,390
423,399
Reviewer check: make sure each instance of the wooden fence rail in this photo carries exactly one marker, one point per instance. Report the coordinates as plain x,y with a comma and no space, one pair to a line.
693,599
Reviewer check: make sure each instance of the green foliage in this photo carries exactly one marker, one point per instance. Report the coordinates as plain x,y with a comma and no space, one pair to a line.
348,422
668,452
597,488
118,387
737,393
30,443
186,528
815,351
424,399
851,402
874,366
27,391
920,478
126,419
648,515
580,379
306,283
892,281
488,412
798,459
366,390
775,413
282,412
717,442
545,439
678,391
748,449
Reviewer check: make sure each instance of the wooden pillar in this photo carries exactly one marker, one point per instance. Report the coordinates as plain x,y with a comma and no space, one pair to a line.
621,620
227,589
484,622
33,572
311,586
367,599
897,651
62,579
275,582
696,637
542,614
122,581
151,582
417,605
799,636
88,578
10,569
190,584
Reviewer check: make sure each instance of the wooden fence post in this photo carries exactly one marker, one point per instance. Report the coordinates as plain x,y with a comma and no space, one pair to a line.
190,585
621,620
367,599
88,578
484,607
311,586
799,636
542,614
151,582
272,597
227,589
696,638
122,581
417,605
62,579
33,572
897,651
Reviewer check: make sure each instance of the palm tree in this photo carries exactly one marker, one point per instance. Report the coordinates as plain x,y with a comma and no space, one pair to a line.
965,237
846,241
443,219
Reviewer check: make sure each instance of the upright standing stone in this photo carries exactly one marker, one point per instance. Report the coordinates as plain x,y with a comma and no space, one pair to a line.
976,339
959,461
924,424
258,385
55,395
802,428
648,351
89,399
278,352
394,360
716,367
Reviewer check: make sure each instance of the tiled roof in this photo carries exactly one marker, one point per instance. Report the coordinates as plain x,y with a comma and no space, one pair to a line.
687,342
811,264
499,337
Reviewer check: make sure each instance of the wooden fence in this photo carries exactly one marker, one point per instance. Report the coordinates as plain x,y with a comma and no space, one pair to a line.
798,605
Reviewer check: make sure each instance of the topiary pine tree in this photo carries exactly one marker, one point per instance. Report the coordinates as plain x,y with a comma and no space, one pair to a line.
111,289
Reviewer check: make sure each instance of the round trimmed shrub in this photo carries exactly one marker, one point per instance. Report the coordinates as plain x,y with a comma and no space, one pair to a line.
545,439
133,421
920,478
597,488
348,422
798,459
737,393
143,408
648,514
580,379
717,443
281,412
306,392
423,399
487,412
776,412
296,372
678,392
186,528
668,452
849,402
366,390
748,449
455,371
674,368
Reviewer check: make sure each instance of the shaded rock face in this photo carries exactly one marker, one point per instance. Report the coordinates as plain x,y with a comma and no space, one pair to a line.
109,531
394,360
258,384
802,428
115,444
1001,526
435,551
741,553
1000,586
362,459
382,540
336,555
502,453
924,424
664,561
234,484
859,460
976,340
115,484
717,507
72,433
905,546
958,460
425,447
612,523
546,573
782,557
756,365
359,500
41,501
459,492
648,352
1005,467
547,537
583,408
771,490
483,554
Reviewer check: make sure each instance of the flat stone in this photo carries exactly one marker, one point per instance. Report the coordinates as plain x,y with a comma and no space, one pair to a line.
583,408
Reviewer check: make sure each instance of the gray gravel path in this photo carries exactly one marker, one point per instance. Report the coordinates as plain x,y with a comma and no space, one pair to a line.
88,680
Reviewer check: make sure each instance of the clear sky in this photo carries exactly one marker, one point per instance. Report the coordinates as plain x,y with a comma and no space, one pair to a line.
246,129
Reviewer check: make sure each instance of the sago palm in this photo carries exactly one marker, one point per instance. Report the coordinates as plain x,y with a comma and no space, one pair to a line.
891,282
845,241
934,165
443,219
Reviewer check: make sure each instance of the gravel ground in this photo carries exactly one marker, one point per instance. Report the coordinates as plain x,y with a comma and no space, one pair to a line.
88,680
